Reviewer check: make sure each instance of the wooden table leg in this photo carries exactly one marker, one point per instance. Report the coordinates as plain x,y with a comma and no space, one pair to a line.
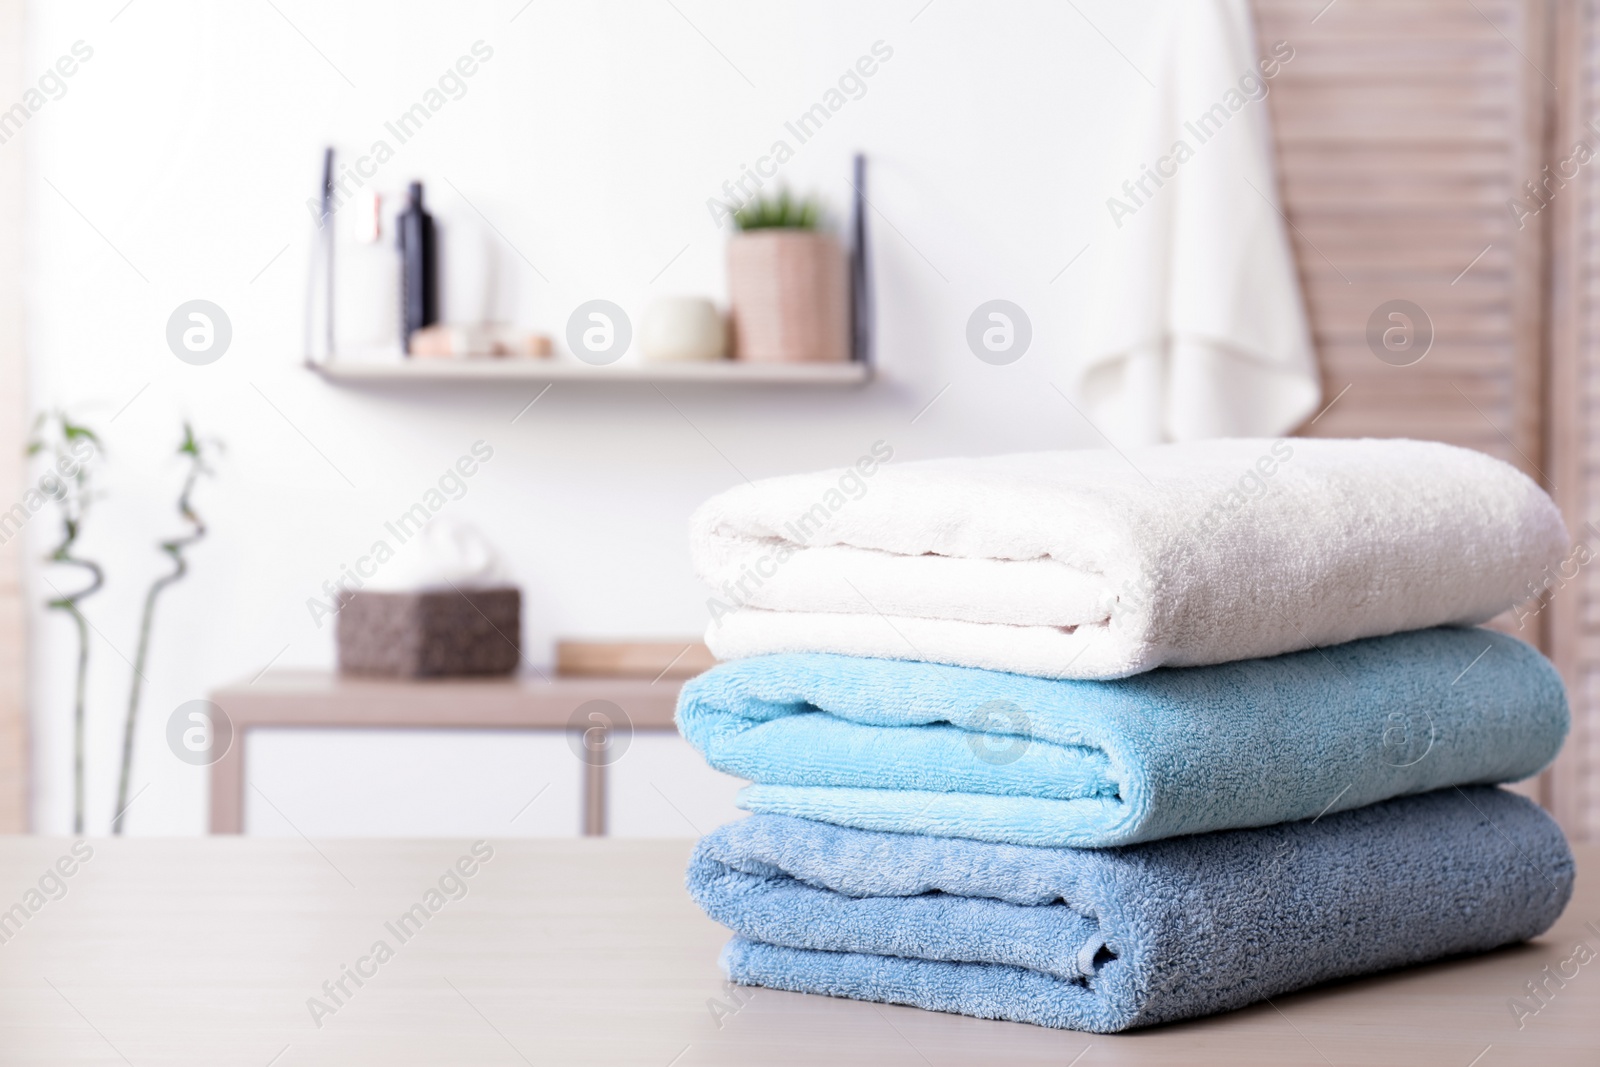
594,787
227,787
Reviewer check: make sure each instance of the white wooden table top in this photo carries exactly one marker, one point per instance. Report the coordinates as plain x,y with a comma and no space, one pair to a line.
207,951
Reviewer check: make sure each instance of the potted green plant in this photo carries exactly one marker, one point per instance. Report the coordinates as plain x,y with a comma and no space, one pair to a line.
788,285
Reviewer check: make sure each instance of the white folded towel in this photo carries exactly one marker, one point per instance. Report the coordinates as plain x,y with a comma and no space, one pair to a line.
1099,564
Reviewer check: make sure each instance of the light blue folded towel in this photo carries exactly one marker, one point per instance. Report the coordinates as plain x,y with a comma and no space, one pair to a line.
953,751
1108,939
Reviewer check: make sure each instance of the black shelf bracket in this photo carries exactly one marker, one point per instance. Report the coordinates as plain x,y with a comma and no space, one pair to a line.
861,308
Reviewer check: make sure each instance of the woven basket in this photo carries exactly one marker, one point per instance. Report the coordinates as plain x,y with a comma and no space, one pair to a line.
790,297
431,634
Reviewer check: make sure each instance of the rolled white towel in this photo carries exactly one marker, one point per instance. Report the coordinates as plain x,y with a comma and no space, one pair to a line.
1100,564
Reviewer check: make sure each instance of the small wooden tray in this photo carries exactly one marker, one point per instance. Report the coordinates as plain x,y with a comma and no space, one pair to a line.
632,659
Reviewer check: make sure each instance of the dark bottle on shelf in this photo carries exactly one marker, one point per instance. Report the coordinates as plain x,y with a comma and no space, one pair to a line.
419,285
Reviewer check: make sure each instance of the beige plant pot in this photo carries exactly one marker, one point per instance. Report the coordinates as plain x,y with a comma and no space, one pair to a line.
790,297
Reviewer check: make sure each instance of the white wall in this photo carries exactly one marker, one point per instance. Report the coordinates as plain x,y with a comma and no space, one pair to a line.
177,166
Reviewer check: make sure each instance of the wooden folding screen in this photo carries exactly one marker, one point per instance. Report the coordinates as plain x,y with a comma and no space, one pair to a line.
1412,141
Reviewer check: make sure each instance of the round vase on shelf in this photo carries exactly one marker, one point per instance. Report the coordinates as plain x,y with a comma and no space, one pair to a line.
790,297
682,329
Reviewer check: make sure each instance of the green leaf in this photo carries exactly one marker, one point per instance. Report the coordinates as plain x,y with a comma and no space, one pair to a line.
779,211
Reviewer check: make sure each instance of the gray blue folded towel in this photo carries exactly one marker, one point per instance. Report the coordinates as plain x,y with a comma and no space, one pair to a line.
1110,939
924,748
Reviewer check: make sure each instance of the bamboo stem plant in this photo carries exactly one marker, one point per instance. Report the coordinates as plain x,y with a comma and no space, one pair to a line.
193,451
71,445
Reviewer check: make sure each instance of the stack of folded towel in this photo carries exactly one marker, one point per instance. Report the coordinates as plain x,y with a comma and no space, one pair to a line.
1099,740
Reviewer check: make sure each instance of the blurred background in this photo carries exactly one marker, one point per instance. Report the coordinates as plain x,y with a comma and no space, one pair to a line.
1421,159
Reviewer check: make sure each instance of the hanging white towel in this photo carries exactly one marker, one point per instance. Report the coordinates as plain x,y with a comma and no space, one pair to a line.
1197,328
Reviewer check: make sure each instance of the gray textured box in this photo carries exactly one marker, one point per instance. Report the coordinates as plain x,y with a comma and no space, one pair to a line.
434,634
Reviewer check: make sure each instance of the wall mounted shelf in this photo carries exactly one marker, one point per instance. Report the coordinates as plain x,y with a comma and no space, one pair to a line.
721,372
857,371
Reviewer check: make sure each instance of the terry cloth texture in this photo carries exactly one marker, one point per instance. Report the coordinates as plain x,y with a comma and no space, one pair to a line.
952,751
1102,564
1109,939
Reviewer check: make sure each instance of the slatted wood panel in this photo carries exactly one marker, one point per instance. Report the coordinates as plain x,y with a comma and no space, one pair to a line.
1575,409
1402,127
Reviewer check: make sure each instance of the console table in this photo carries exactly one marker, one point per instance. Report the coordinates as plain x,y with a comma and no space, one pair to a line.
313,699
